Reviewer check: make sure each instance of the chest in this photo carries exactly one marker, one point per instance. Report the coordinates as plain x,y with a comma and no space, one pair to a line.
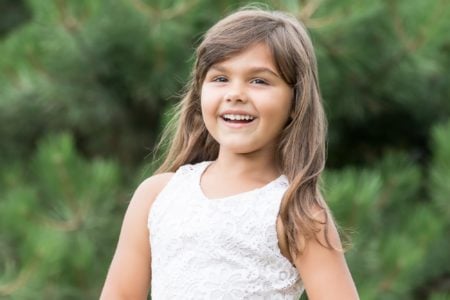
249,223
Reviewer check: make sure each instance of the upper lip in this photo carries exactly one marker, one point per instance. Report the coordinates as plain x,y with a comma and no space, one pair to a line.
236,112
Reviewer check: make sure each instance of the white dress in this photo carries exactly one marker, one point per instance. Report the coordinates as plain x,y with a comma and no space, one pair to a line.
223,248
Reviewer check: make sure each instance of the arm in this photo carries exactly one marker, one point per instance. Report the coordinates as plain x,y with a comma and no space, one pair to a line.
324,271
129,275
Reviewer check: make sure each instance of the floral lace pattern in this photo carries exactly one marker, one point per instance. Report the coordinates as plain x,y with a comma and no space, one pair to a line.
223,248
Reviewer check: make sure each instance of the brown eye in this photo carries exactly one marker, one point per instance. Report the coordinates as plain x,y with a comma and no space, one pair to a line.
259,81
220,79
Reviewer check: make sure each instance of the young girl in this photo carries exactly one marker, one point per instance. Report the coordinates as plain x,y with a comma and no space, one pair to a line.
235,210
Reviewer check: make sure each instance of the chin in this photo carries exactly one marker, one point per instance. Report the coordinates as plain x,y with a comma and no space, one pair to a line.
238,149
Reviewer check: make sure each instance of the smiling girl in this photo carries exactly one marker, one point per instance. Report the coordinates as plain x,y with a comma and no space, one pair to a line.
235,210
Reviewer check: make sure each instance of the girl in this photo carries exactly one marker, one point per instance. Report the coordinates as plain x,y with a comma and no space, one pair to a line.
235,210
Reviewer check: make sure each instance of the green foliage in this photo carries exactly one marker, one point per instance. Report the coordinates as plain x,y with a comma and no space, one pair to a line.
101,70
14,13
383,64
56,220
85,86
390,242
440,169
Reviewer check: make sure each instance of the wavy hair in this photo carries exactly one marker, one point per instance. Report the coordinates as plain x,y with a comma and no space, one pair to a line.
301,149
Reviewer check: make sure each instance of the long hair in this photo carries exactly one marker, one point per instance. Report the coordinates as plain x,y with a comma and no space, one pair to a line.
301,150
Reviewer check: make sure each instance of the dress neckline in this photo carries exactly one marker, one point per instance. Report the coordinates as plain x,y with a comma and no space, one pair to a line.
204,165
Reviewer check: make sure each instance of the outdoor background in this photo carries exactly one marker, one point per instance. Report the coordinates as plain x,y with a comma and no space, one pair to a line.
87,85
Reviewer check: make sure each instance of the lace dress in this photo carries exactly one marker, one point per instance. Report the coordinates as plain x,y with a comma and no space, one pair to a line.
223,248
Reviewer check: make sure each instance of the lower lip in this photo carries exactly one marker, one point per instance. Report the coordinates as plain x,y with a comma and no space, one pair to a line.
238,125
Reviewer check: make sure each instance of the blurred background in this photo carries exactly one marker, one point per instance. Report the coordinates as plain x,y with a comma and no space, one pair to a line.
87,85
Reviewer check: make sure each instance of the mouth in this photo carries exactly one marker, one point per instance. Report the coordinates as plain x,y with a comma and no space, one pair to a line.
237,118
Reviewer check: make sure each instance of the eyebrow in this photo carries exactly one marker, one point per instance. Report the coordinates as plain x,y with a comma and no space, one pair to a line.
252,70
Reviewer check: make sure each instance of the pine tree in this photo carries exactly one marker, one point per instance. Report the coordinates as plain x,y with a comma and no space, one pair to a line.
86,86
57,229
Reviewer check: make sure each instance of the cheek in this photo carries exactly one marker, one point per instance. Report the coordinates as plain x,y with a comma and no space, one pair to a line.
208,106
280,109
286,105
209,98
203,100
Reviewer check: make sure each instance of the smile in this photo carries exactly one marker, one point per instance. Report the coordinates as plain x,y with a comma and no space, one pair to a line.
234,118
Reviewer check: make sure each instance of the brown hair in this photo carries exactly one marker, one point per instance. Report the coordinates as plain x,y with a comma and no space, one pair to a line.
301,150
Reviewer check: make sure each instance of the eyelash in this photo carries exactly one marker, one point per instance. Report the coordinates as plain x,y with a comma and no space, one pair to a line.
256,80
261,81
219,79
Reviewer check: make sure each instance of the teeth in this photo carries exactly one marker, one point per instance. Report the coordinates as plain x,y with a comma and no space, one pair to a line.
238,117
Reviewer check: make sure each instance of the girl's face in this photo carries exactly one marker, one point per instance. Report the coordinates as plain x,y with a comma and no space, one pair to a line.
245,102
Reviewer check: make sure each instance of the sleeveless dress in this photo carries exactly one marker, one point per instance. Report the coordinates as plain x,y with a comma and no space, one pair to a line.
224,248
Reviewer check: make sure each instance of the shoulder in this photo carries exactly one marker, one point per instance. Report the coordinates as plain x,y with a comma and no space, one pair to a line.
148,189
133,253
322,262
146,193
155,183
152,186
143,198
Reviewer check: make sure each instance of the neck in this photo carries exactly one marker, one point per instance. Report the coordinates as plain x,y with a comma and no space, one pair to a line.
255,164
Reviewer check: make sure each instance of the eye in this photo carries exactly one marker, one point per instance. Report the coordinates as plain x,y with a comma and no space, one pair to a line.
220,79
259,81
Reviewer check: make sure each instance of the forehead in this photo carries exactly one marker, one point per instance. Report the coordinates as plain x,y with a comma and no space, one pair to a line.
258,55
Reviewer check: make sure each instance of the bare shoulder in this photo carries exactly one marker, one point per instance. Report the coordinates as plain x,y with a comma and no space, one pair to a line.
157,181
319,265
326,235
148,189
129,275
327,230
143,198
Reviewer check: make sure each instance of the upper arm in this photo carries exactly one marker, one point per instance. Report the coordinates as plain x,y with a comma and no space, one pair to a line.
324,271
130,272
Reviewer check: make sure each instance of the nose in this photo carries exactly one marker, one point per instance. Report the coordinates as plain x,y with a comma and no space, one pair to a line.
236,92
